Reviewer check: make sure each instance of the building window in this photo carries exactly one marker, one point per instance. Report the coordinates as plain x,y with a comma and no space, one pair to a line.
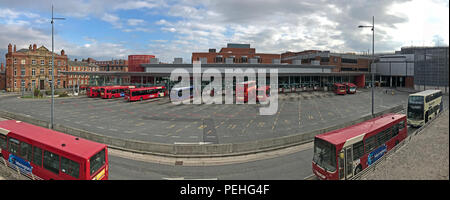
42,62
15,61
347,60
15,71
244,59
59,82
15,83
33,62
22,83
324,59
22,71
22,62
33,72
59,63
50,62
219,59
41,72
50,71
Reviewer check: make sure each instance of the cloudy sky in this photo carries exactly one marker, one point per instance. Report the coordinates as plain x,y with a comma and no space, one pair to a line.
106,29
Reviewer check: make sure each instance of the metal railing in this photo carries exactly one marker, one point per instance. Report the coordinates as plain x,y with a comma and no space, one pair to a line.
14,169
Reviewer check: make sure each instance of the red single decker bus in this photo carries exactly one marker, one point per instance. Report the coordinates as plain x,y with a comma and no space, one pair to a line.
339,88
265,90
52,155
244,90
343,153
350,88
93,91
111,92
139,94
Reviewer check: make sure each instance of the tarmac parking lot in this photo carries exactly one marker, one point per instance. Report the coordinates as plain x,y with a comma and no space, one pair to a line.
158,120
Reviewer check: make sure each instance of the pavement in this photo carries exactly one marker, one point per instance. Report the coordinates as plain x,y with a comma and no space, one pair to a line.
160,121
425,157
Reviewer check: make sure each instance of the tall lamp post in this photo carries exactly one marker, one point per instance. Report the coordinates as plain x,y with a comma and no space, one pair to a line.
373,55
53,71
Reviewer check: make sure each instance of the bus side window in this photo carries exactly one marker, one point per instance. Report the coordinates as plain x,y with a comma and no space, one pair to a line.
401,125
395,129
2,142
14,146
370,144
37,156
25,151
70,167
51,162
358,150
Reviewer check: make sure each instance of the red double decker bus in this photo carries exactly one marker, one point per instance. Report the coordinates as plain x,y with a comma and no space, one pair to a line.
339,88
111,92
139,94
350,88
52,155
343,153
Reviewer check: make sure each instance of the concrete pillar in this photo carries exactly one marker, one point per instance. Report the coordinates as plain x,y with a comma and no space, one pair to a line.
390,81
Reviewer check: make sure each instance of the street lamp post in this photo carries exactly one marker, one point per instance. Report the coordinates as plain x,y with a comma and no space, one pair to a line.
53,71
373,56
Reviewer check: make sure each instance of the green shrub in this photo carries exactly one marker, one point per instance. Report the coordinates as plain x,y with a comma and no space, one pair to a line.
63,94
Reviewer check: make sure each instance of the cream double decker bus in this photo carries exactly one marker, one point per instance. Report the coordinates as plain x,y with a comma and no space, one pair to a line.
423,106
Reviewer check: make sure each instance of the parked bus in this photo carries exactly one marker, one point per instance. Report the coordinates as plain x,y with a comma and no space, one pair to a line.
114,91
263,90
350,88
343,153
52,155
244,90
339,88
139,94
178,93
93,91
423,106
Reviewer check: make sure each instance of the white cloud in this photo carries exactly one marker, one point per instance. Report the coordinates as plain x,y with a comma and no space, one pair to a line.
135,22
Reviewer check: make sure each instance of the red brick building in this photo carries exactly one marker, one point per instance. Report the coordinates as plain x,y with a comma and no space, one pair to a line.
134,65
119,65
80,66
342,61
235,53
135,61
32,67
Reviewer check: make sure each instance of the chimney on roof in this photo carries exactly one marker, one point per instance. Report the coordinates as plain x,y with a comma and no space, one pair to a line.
9,48
2,68
29,48
14,48
34,47
62,52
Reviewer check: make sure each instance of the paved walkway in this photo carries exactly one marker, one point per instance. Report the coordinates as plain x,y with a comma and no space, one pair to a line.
425,157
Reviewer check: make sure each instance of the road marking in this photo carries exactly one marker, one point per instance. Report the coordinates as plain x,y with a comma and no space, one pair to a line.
171,126
192,143
202,126
178,130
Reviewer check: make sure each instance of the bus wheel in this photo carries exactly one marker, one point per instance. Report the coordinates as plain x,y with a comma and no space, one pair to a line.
426,118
